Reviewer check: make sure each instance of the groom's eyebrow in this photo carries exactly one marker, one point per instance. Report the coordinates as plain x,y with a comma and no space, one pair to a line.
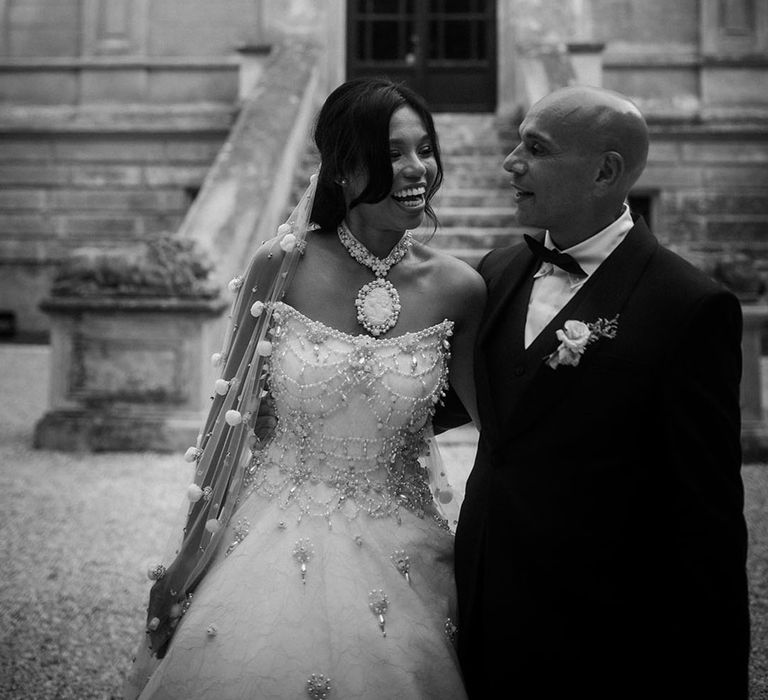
543,139
533,135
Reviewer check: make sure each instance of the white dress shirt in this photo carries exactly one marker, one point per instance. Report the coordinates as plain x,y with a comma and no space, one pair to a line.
553,288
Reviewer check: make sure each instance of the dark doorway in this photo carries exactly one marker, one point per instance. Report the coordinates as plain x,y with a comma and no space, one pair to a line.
444,49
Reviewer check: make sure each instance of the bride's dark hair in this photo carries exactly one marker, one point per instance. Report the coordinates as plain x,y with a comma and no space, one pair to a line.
352,136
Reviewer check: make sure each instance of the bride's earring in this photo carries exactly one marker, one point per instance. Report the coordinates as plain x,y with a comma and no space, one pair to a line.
343,182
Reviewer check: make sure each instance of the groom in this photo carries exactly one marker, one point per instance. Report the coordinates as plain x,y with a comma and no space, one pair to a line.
601,548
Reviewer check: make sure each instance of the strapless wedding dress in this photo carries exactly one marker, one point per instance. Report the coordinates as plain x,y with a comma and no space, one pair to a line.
335,579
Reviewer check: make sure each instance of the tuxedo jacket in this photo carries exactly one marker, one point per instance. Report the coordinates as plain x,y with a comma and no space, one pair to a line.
601,546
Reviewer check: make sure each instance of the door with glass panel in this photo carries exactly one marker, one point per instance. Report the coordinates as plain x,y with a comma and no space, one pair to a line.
443,49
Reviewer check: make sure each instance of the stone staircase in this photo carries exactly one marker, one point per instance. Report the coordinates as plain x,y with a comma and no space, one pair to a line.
474,206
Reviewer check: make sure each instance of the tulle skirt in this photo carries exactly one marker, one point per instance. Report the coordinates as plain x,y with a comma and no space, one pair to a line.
351,624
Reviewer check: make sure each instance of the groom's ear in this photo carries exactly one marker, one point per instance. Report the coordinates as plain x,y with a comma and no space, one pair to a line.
611,169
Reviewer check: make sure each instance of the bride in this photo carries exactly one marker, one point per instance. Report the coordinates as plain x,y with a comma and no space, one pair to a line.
320,563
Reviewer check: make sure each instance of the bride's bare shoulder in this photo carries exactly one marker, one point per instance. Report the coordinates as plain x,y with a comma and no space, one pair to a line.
458,282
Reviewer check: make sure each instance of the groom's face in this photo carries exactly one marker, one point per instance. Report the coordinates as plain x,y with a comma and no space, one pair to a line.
553,169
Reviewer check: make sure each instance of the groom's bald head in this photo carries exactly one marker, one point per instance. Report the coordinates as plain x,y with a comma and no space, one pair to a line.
581,150
602,121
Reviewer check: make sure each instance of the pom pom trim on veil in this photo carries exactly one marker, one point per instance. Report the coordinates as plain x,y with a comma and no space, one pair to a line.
222,452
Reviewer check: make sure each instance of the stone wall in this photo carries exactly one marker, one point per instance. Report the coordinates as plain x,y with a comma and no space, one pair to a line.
647,23
123,51
709,188
112,27
111,114
66,184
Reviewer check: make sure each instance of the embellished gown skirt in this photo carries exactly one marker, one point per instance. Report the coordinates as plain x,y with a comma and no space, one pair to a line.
311,611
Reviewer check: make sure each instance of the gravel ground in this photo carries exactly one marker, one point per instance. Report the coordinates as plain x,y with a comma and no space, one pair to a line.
78,531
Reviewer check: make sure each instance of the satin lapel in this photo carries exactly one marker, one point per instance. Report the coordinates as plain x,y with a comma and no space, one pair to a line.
503,309
503,286
603,295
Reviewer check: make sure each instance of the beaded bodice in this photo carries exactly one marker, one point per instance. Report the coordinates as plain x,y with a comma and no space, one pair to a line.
352,415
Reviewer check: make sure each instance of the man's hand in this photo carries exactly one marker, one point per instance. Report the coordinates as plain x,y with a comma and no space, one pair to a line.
266,420
164,611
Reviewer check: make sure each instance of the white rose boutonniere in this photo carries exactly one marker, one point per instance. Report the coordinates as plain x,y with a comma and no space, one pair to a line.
576,336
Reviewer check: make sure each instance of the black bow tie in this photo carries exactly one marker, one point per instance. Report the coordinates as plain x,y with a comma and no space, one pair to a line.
562,260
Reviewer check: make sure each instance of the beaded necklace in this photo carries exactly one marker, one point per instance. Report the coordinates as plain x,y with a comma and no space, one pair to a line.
377,302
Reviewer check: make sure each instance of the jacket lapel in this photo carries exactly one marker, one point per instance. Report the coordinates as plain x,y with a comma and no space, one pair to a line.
603,295
503,285
509,285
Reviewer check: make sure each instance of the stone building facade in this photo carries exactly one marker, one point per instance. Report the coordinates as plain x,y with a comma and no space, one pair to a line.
111,114
113,111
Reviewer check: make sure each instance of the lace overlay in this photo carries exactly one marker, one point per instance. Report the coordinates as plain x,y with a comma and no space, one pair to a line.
336,575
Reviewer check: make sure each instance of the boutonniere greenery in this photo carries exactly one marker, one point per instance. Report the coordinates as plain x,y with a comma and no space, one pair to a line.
576,336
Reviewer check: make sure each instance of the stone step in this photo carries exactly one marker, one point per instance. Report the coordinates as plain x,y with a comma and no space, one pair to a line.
448,238
483,178
474,161
472,197
455,239
482,217
467,133
490,149
474,206
487,174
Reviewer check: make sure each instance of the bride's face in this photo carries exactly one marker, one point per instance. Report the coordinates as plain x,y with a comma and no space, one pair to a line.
414,169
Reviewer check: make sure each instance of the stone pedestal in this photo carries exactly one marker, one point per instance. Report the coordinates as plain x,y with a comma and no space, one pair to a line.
129,374
754,425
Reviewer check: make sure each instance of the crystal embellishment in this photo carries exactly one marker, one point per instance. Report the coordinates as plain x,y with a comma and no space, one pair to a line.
379,266
379,604
318,686
302,553
402,563
378,303
451,630
239,533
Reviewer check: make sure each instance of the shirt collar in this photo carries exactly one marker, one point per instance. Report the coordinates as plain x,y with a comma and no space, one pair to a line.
593,251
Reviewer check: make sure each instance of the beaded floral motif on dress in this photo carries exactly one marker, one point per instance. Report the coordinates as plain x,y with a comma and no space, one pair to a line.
319,472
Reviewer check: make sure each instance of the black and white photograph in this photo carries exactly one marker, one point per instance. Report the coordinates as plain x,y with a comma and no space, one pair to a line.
383,349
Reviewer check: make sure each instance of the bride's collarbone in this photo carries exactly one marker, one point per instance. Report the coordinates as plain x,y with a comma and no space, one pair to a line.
327,286
339,312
